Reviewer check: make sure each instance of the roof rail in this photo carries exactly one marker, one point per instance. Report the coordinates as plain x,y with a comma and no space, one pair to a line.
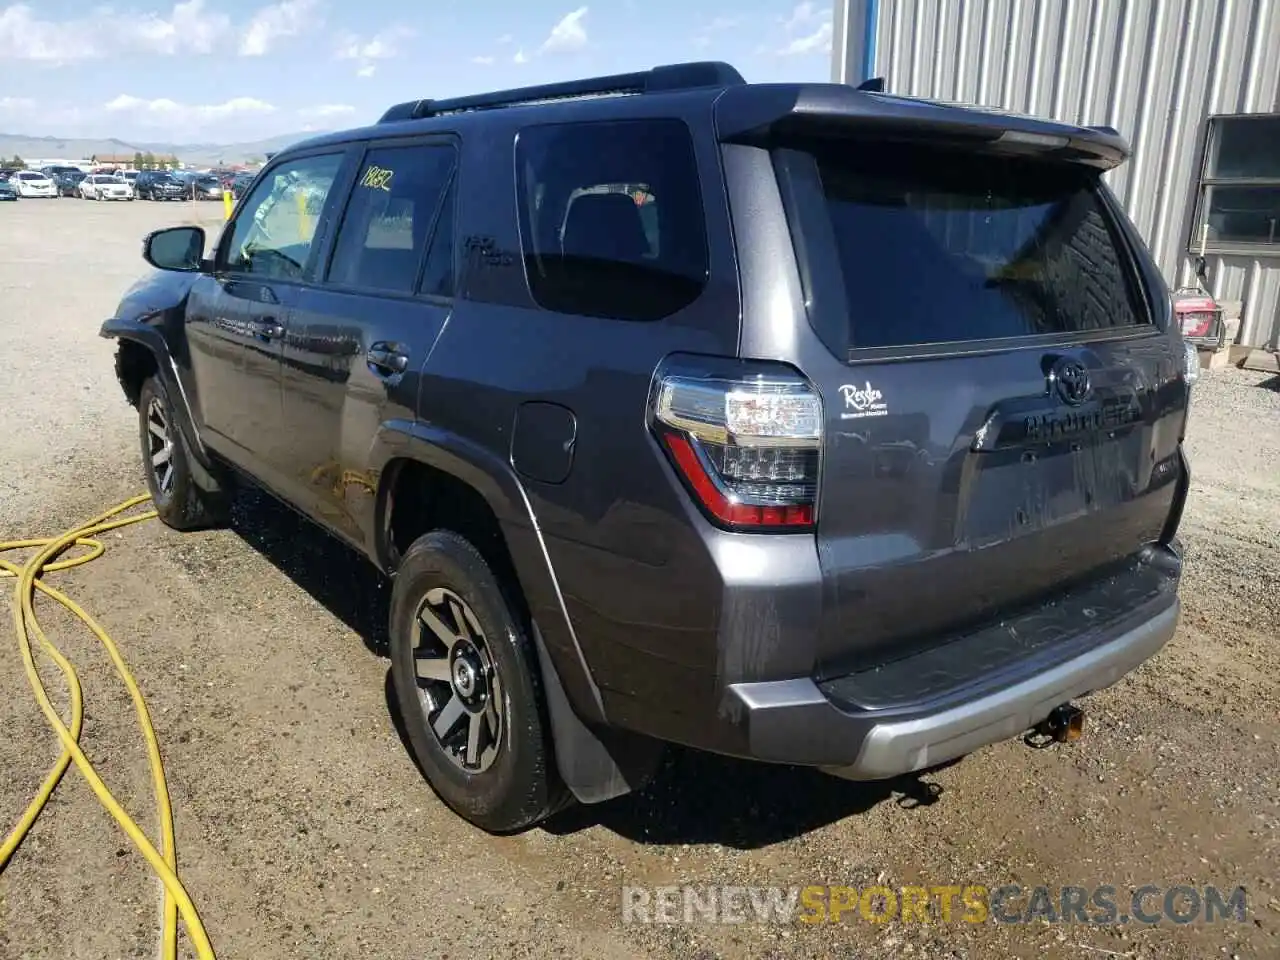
872,85
675,76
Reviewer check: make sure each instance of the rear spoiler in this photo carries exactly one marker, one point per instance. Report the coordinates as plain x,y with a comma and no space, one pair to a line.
765,113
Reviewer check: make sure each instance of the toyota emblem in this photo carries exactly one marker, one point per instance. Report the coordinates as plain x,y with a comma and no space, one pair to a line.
1071,379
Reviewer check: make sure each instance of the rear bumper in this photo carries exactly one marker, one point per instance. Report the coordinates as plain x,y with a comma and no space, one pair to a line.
793,721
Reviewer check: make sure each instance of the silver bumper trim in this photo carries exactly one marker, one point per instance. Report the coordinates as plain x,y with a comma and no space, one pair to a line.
893,748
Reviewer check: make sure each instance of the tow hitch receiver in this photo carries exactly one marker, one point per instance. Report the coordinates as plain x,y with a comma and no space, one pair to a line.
1065,723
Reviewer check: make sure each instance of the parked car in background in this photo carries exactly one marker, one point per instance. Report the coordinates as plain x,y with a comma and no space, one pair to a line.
34,184
205,187
158,185
8,191
68,184
101,186
240,183
53,171
129,176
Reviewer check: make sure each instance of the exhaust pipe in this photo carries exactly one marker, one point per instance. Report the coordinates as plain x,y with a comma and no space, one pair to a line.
1065,723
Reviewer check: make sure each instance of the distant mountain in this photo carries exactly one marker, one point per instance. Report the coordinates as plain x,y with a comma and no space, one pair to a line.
196,154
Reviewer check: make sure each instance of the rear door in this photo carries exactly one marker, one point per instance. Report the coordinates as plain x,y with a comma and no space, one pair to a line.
359,338
1004,402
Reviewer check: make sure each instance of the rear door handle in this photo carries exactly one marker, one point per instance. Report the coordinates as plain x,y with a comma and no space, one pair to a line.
385,360
268,328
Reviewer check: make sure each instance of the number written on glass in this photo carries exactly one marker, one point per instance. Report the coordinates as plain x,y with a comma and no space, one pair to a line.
377,178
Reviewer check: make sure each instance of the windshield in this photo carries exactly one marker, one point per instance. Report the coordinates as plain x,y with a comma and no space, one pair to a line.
104,179
29,175
945,247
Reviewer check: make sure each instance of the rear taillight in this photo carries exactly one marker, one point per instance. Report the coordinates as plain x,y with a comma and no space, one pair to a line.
748,448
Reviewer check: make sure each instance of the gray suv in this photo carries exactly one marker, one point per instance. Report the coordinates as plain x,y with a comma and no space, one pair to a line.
793,422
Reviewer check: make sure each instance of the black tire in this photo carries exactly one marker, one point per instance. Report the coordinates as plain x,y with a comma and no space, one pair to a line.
180,503
521,785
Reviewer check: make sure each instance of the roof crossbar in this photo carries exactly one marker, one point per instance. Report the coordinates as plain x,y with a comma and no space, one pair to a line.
671,77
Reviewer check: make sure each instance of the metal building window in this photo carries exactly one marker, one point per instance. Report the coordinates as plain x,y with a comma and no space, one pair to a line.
1239,197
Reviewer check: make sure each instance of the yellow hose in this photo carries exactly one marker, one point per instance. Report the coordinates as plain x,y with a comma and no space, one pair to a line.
28,579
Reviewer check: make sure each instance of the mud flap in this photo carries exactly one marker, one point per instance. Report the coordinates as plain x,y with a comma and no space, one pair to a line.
595,764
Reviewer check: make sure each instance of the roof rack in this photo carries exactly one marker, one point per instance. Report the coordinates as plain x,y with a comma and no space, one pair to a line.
675,76
872,85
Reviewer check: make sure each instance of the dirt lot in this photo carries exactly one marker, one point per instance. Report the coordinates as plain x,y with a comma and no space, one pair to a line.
304,830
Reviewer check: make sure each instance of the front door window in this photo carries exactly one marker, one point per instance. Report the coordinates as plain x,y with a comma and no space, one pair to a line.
272,234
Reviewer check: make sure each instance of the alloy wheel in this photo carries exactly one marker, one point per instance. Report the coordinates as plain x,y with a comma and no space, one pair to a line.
160,445
458,685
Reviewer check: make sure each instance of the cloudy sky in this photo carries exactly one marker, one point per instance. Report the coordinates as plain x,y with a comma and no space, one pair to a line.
233,70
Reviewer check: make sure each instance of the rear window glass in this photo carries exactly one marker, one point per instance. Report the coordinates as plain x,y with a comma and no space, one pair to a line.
949,247
611,218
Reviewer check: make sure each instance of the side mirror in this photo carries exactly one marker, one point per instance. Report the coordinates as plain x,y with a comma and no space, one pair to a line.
175,248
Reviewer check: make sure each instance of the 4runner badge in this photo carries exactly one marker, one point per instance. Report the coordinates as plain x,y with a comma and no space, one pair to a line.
864,401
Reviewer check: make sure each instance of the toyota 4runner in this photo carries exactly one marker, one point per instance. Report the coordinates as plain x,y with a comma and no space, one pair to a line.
795,422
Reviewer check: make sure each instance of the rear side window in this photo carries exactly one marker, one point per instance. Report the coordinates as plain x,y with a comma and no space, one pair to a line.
611,220
389,219
944,247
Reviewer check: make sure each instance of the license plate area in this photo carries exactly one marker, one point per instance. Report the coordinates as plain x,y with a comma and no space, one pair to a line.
1017,491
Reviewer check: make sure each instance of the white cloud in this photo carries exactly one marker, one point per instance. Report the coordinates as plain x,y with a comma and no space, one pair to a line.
567,35
23,36
367,51
809,30
11,106
519,57
276,22
484,61
703,38
326,111
803,17
166,112
189,28
817,42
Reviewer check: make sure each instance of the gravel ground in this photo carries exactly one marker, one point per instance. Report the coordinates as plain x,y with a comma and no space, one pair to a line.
304,830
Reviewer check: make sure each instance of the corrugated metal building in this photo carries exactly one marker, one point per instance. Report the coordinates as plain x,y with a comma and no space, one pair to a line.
1190,83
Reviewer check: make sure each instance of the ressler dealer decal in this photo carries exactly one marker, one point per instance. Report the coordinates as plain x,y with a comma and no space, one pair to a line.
864,401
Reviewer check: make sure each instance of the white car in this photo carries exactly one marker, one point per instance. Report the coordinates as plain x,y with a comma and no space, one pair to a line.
31,183
100,186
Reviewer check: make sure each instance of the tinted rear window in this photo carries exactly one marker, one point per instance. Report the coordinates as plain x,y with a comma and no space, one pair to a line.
940,247
611,219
